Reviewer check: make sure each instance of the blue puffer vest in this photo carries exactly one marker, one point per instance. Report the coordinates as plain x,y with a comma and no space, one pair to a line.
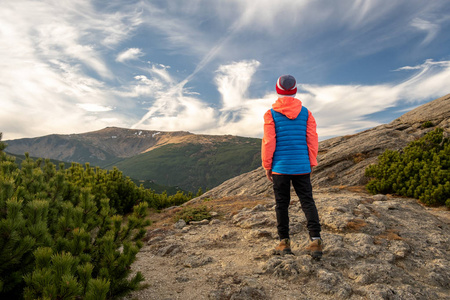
291,153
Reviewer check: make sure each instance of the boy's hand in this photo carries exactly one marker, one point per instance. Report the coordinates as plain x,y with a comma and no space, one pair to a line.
269,175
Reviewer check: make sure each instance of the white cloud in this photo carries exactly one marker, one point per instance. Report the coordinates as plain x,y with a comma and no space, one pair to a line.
49,50
431,29
173,109
129,54
92,107
425,66
233,81
154,87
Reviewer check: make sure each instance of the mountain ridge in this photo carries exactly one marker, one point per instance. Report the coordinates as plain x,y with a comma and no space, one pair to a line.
132,142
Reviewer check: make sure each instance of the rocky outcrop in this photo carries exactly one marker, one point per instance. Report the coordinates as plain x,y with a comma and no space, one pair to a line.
343,160
375,247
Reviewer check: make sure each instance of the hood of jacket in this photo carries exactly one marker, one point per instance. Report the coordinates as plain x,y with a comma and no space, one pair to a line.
288,106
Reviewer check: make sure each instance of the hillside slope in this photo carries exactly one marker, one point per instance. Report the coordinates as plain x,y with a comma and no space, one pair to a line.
342,160
191,165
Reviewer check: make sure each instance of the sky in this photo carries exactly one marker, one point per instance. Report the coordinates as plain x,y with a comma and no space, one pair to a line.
210,66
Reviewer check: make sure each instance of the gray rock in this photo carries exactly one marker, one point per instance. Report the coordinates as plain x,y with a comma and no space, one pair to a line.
288,267
333,283
296,228
399,248
368,273
439,273
169,250
180,224
379,197
247,292
380,292
259,207
249,219
259,233
155,240
202,222
362,243
214,222
182,279
195,261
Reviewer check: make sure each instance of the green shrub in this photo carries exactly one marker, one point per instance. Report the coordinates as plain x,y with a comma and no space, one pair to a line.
121,191
427,124
189,214
421,170
57,241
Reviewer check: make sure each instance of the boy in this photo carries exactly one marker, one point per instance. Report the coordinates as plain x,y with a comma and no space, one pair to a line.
289,152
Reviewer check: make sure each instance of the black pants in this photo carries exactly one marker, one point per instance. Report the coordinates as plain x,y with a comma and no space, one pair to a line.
303,189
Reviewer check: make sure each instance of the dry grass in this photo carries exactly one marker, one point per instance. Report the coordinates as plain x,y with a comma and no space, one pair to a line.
357,189
356,224
389,234
359,157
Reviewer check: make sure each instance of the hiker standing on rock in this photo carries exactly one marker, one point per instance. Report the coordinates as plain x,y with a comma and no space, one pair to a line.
289,152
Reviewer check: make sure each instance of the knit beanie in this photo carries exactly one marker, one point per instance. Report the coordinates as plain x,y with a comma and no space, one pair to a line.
286,85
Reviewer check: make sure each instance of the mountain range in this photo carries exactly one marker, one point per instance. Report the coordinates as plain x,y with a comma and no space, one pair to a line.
182,159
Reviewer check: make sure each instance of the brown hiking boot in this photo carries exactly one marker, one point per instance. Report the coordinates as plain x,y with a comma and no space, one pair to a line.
283,248
315,249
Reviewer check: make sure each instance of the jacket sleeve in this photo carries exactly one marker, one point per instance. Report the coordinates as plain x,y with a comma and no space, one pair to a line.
312,140
269,141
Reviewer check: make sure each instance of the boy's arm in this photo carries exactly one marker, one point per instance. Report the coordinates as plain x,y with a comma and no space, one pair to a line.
312,140
268,142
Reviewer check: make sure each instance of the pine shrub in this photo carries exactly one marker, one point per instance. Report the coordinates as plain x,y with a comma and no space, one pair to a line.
60,237
427,124
421,170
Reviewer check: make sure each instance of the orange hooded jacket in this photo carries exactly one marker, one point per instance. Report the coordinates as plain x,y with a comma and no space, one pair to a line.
290,107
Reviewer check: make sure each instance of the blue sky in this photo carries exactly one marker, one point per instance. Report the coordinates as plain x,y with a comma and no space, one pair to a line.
211,66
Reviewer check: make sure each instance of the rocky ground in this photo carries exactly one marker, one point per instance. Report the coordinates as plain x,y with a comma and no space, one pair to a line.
376,247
